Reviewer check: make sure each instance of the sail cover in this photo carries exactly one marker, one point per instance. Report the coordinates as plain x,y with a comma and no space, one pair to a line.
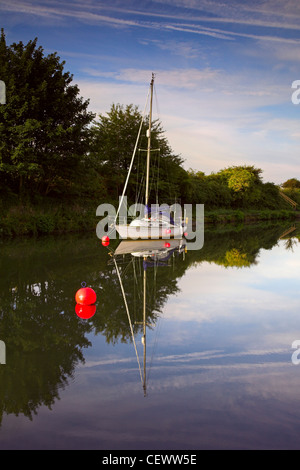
159,212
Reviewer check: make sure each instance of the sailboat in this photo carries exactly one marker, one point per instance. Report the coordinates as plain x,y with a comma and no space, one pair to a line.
157,222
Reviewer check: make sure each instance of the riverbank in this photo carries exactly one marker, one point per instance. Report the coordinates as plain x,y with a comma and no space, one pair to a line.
225,216
28,220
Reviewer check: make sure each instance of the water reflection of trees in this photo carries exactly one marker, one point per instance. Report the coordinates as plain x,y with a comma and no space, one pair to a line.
44,340
240,246
290,243
161,283
43,336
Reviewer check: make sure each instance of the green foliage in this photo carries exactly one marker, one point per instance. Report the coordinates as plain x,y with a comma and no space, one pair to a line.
244,183
239,216
114,138
22,219
293,193
113,141
234,257
44,123
237,187
45,223
242,172
241,180
291,183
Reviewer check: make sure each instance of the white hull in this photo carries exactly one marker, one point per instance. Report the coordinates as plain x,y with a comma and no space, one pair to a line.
150,232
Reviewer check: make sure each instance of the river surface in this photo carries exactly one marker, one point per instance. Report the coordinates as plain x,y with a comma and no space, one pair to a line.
193,349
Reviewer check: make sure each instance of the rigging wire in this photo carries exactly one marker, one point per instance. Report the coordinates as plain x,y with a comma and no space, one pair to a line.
137,176
156,102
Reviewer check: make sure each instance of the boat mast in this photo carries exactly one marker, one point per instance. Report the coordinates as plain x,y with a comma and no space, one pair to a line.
149,142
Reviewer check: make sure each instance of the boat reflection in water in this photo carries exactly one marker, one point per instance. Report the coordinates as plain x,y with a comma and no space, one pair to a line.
154,254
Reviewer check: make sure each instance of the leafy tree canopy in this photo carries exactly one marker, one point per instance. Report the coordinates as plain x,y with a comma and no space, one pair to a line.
114,138
241,180
241,177
291,183
44,123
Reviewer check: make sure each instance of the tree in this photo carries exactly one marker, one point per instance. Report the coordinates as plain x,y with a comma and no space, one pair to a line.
240,176
244,182
45,123
113,141
291,183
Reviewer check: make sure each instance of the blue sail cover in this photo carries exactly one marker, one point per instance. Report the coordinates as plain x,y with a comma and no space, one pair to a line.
147,211
157,211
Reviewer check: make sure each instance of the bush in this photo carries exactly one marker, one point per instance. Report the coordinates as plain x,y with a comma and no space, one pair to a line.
239,216
45,223
265,215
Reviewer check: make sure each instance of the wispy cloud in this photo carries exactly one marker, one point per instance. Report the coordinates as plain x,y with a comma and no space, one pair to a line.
265,13
55,10
229,15
229,35
179,48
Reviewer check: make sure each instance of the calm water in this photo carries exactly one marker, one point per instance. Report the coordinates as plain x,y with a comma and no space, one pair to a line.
220,326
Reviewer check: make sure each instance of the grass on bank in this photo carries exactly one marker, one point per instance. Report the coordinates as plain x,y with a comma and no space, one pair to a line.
27,220
223,216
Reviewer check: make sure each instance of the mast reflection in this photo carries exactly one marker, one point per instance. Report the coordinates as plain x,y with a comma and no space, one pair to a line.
154,254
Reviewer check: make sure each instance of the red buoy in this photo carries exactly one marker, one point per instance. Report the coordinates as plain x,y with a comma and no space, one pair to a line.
167,245
105,240
85,296
85,311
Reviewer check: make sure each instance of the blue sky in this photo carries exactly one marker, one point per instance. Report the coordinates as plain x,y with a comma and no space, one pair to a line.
224,70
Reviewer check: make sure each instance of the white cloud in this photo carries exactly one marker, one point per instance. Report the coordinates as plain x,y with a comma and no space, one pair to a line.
186,49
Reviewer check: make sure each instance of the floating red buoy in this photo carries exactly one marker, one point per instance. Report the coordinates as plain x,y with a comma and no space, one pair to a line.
167,245
185,234
85,296
85,311
105,240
